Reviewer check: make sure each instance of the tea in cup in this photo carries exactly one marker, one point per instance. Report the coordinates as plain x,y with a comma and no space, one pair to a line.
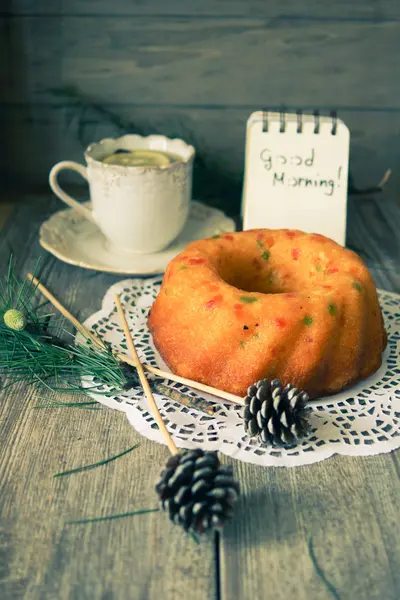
140,190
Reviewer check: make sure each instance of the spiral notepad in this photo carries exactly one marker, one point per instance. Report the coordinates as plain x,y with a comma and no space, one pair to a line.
296,171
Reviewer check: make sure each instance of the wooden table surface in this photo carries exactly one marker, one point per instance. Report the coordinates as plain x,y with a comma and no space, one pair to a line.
330,530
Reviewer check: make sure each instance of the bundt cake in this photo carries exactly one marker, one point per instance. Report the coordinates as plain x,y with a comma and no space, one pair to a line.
257,304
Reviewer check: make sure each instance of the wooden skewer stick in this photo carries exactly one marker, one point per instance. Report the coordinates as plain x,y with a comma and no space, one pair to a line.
145,384
85,332
127,359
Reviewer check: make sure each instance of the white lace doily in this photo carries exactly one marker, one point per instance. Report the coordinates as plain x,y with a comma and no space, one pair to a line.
362,421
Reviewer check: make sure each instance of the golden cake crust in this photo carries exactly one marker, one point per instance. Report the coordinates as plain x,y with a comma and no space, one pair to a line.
257,304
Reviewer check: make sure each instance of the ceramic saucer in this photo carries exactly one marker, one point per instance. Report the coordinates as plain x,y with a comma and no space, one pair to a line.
77,241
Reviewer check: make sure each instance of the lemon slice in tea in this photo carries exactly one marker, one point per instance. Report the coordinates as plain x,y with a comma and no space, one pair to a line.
139,158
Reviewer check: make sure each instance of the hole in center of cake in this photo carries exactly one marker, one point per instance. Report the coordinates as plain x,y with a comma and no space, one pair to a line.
254,276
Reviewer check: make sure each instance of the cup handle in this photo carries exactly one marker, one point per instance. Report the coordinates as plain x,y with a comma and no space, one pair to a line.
53,181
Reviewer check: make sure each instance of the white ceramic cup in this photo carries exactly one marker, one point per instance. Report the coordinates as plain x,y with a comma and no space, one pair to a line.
140,209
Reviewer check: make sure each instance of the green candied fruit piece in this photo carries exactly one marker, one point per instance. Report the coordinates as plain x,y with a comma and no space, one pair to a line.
332,309
242,343
307,320
318,268
182,268
265,255
260,243
357,286
215,237
247,299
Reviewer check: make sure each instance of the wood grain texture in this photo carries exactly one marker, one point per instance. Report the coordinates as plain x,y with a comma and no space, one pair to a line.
41,558
347,506
6,209
52,134
4,78
325,9
213,62
199,76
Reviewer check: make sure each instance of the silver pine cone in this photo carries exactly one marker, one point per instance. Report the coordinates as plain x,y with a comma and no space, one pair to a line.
196,491
276,413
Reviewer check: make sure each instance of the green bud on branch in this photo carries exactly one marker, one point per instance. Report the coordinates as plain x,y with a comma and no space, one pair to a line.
15,319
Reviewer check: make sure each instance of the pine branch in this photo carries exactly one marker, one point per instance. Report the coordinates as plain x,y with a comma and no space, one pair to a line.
31,352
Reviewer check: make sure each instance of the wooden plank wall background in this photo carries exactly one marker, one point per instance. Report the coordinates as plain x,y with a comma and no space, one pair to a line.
195,69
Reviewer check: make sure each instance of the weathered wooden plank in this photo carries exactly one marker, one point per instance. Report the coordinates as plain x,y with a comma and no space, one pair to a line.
373,226
213,62
4,46
342,10
137,557
40,557
348,508
62,132
4,79
53,134
6,209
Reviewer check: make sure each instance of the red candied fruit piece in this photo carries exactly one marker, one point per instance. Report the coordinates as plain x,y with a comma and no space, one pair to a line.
291,234
279,322
260,236
213,287
296,253
328,287
238,309
228,236
214,302
309,339
196,261
332,270
291,295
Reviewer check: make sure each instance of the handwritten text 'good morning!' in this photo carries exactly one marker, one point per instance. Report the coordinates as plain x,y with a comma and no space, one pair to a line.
297,172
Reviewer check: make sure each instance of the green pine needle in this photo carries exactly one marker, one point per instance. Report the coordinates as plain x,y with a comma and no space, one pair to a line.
55,404
40,357
328,585
112,517
24,355
97,464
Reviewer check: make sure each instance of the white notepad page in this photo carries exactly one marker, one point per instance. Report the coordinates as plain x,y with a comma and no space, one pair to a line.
296,171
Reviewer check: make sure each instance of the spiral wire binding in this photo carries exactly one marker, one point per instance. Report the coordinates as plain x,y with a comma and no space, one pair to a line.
353,190
265,120
334,122
300,122
316,121
282,118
